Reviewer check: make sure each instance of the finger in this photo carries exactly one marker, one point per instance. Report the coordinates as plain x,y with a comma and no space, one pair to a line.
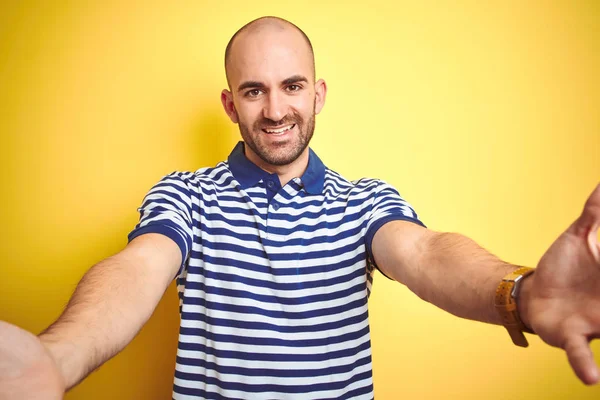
582,360
590,216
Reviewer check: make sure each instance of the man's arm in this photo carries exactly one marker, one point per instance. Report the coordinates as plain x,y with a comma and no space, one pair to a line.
112,302
560,301
448,270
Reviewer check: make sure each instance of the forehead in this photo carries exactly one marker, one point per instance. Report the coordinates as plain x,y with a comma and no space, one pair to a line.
269,55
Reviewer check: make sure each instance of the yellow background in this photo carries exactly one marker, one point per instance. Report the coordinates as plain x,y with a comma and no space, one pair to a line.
485,116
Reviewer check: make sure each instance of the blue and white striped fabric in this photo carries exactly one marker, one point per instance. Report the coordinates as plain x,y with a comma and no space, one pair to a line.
274,284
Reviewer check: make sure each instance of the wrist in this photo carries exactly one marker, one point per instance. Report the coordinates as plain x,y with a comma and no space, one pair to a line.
59,352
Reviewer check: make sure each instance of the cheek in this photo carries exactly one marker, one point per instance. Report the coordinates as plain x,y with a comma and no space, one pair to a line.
304,108
248,114
306,103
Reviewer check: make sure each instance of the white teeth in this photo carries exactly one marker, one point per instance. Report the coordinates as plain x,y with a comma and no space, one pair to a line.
286,128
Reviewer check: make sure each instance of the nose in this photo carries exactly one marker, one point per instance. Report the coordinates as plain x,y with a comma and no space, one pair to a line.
275,107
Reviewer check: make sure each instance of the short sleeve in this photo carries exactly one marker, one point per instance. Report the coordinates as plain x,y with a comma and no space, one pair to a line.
167,210
388,206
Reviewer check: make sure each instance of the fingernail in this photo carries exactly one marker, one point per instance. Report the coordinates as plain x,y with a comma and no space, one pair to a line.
594,376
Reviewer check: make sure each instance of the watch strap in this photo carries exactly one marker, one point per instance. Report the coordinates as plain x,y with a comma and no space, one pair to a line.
506,305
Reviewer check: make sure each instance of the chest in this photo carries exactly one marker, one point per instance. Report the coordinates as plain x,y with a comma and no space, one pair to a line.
291,250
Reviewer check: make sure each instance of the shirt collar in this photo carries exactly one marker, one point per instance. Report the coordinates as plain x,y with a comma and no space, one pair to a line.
248,174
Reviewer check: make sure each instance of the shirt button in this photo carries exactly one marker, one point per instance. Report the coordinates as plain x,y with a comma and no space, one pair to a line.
270,184
275,206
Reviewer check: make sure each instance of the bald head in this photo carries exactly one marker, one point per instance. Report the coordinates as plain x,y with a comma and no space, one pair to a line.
262,28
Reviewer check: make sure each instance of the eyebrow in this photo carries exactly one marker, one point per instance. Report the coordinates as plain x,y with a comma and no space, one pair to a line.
260,85
294,79
250,84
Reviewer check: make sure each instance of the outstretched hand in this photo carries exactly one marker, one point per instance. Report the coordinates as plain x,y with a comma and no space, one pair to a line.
563,301
27,371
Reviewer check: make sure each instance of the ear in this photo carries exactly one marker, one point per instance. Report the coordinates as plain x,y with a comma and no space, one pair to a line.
227,101
320,94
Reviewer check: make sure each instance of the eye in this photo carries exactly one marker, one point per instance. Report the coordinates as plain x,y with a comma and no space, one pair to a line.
294,88
253,93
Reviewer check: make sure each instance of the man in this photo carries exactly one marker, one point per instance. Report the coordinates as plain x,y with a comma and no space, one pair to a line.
273,253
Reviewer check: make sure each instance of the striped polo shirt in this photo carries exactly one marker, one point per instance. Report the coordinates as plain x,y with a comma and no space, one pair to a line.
274,282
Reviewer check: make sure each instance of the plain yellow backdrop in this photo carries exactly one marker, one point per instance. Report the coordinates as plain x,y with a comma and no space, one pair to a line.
485,116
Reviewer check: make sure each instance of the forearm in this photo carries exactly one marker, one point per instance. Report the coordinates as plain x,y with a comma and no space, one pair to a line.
448,270
459,276
110,305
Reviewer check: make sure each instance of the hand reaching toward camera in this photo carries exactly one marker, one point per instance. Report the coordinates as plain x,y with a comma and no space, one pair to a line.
562,303
27,370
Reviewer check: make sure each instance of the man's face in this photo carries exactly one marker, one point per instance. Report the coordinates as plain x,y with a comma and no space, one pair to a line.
273,95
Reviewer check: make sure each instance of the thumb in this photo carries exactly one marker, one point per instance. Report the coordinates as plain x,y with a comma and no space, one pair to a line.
589,219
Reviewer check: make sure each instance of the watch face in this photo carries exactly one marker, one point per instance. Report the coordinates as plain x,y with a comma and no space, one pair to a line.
521,274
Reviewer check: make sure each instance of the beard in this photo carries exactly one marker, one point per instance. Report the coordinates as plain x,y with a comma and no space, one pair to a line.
287,150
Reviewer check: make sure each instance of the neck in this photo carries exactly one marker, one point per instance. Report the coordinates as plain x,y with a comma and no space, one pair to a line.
287,172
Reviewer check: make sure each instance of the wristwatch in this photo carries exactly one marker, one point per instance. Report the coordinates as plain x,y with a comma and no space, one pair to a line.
506,304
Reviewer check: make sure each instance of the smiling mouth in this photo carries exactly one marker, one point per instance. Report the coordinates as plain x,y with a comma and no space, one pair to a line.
278,131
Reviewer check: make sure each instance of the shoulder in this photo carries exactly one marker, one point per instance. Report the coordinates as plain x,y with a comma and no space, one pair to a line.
336,184
201,176
191,184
